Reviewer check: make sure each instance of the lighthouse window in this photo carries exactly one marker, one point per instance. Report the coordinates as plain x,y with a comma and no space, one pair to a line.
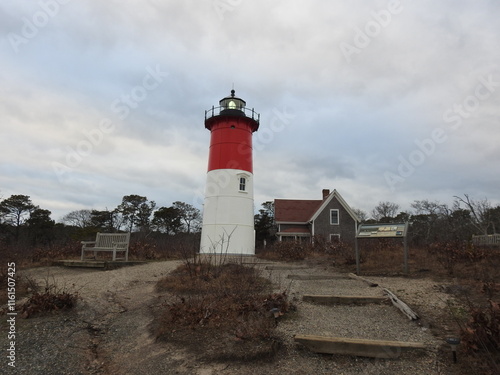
243,182
232,105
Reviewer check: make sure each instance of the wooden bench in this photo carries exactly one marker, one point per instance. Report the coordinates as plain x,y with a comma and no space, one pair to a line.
113,242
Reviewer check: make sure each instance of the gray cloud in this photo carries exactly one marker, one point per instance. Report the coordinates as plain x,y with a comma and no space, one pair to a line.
350,122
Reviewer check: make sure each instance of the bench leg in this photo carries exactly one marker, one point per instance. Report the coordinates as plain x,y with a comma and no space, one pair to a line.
83,254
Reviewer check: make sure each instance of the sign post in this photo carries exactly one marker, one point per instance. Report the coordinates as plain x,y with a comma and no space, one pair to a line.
392,230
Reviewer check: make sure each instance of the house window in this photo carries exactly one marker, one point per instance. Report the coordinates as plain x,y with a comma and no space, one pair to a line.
243,182
334,217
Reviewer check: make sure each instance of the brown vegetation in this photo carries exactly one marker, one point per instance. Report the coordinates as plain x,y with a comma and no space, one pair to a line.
475,271
481,337
224,311
52,298
287,251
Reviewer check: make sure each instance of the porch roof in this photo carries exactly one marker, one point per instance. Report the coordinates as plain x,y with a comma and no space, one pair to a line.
296,230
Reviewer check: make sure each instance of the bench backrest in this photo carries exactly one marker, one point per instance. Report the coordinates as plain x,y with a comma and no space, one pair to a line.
107,239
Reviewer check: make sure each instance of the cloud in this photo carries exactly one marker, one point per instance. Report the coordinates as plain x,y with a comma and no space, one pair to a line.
326,122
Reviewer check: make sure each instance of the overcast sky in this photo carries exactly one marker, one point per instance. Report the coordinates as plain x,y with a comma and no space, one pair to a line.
382,100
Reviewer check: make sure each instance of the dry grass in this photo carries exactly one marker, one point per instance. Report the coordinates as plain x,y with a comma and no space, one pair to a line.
472,269
43,256
38,256
47,299
476,271
287,251
220,312
21,284
204,277
444,259
151,250
481,337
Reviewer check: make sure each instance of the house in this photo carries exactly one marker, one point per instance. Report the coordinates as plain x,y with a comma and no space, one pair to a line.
301,220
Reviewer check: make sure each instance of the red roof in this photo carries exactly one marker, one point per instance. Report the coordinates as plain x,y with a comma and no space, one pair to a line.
294,210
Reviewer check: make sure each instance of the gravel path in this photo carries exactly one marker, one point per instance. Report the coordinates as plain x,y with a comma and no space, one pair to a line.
373,321
108,331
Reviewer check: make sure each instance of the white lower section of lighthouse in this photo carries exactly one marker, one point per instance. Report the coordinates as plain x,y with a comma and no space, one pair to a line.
228,213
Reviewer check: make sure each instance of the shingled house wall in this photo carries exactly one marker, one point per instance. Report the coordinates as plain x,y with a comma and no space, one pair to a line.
346,228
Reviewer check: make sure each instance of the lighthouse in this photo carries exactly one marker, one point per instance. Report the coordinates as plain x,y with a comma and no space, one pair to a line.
228,209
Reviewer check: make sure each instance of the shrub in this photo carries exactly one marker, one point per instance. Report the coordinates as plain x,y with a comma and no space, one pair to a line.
288,251
227,308
342,252
46,255
482,331
205,277
53,298
450,254
481,336
145,251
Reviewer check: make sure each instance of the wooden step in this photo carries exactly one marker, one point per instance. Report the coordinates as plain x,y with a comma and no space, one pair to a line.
286,268
80,263
343,300
315,277
356,347
104,264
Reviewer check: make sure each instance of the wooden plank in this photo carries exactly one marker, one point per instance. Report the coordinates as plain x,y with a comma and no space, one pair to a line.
343,300
405,309
356,347
286,268
80,263
106,264
369,282
315,277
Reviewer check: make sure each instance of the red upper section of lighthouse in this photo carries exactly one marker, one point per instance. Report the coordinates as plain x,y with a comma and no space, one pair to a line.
231,135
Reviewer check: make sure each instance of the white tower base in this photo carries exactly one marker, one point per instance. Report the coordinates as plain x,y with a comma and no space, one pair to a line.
228,220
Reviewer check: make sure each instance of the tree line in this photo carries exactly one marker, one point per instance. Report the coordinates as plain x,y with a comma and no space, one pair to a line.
22,220
432,221
137,214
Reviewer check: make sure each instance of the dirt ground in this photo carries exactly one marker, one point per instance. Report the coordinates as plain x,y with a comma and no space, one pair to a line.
109,332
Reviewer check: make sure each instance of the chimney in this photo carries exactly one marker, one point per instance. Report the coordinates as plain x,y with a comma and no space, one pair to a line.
326,193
